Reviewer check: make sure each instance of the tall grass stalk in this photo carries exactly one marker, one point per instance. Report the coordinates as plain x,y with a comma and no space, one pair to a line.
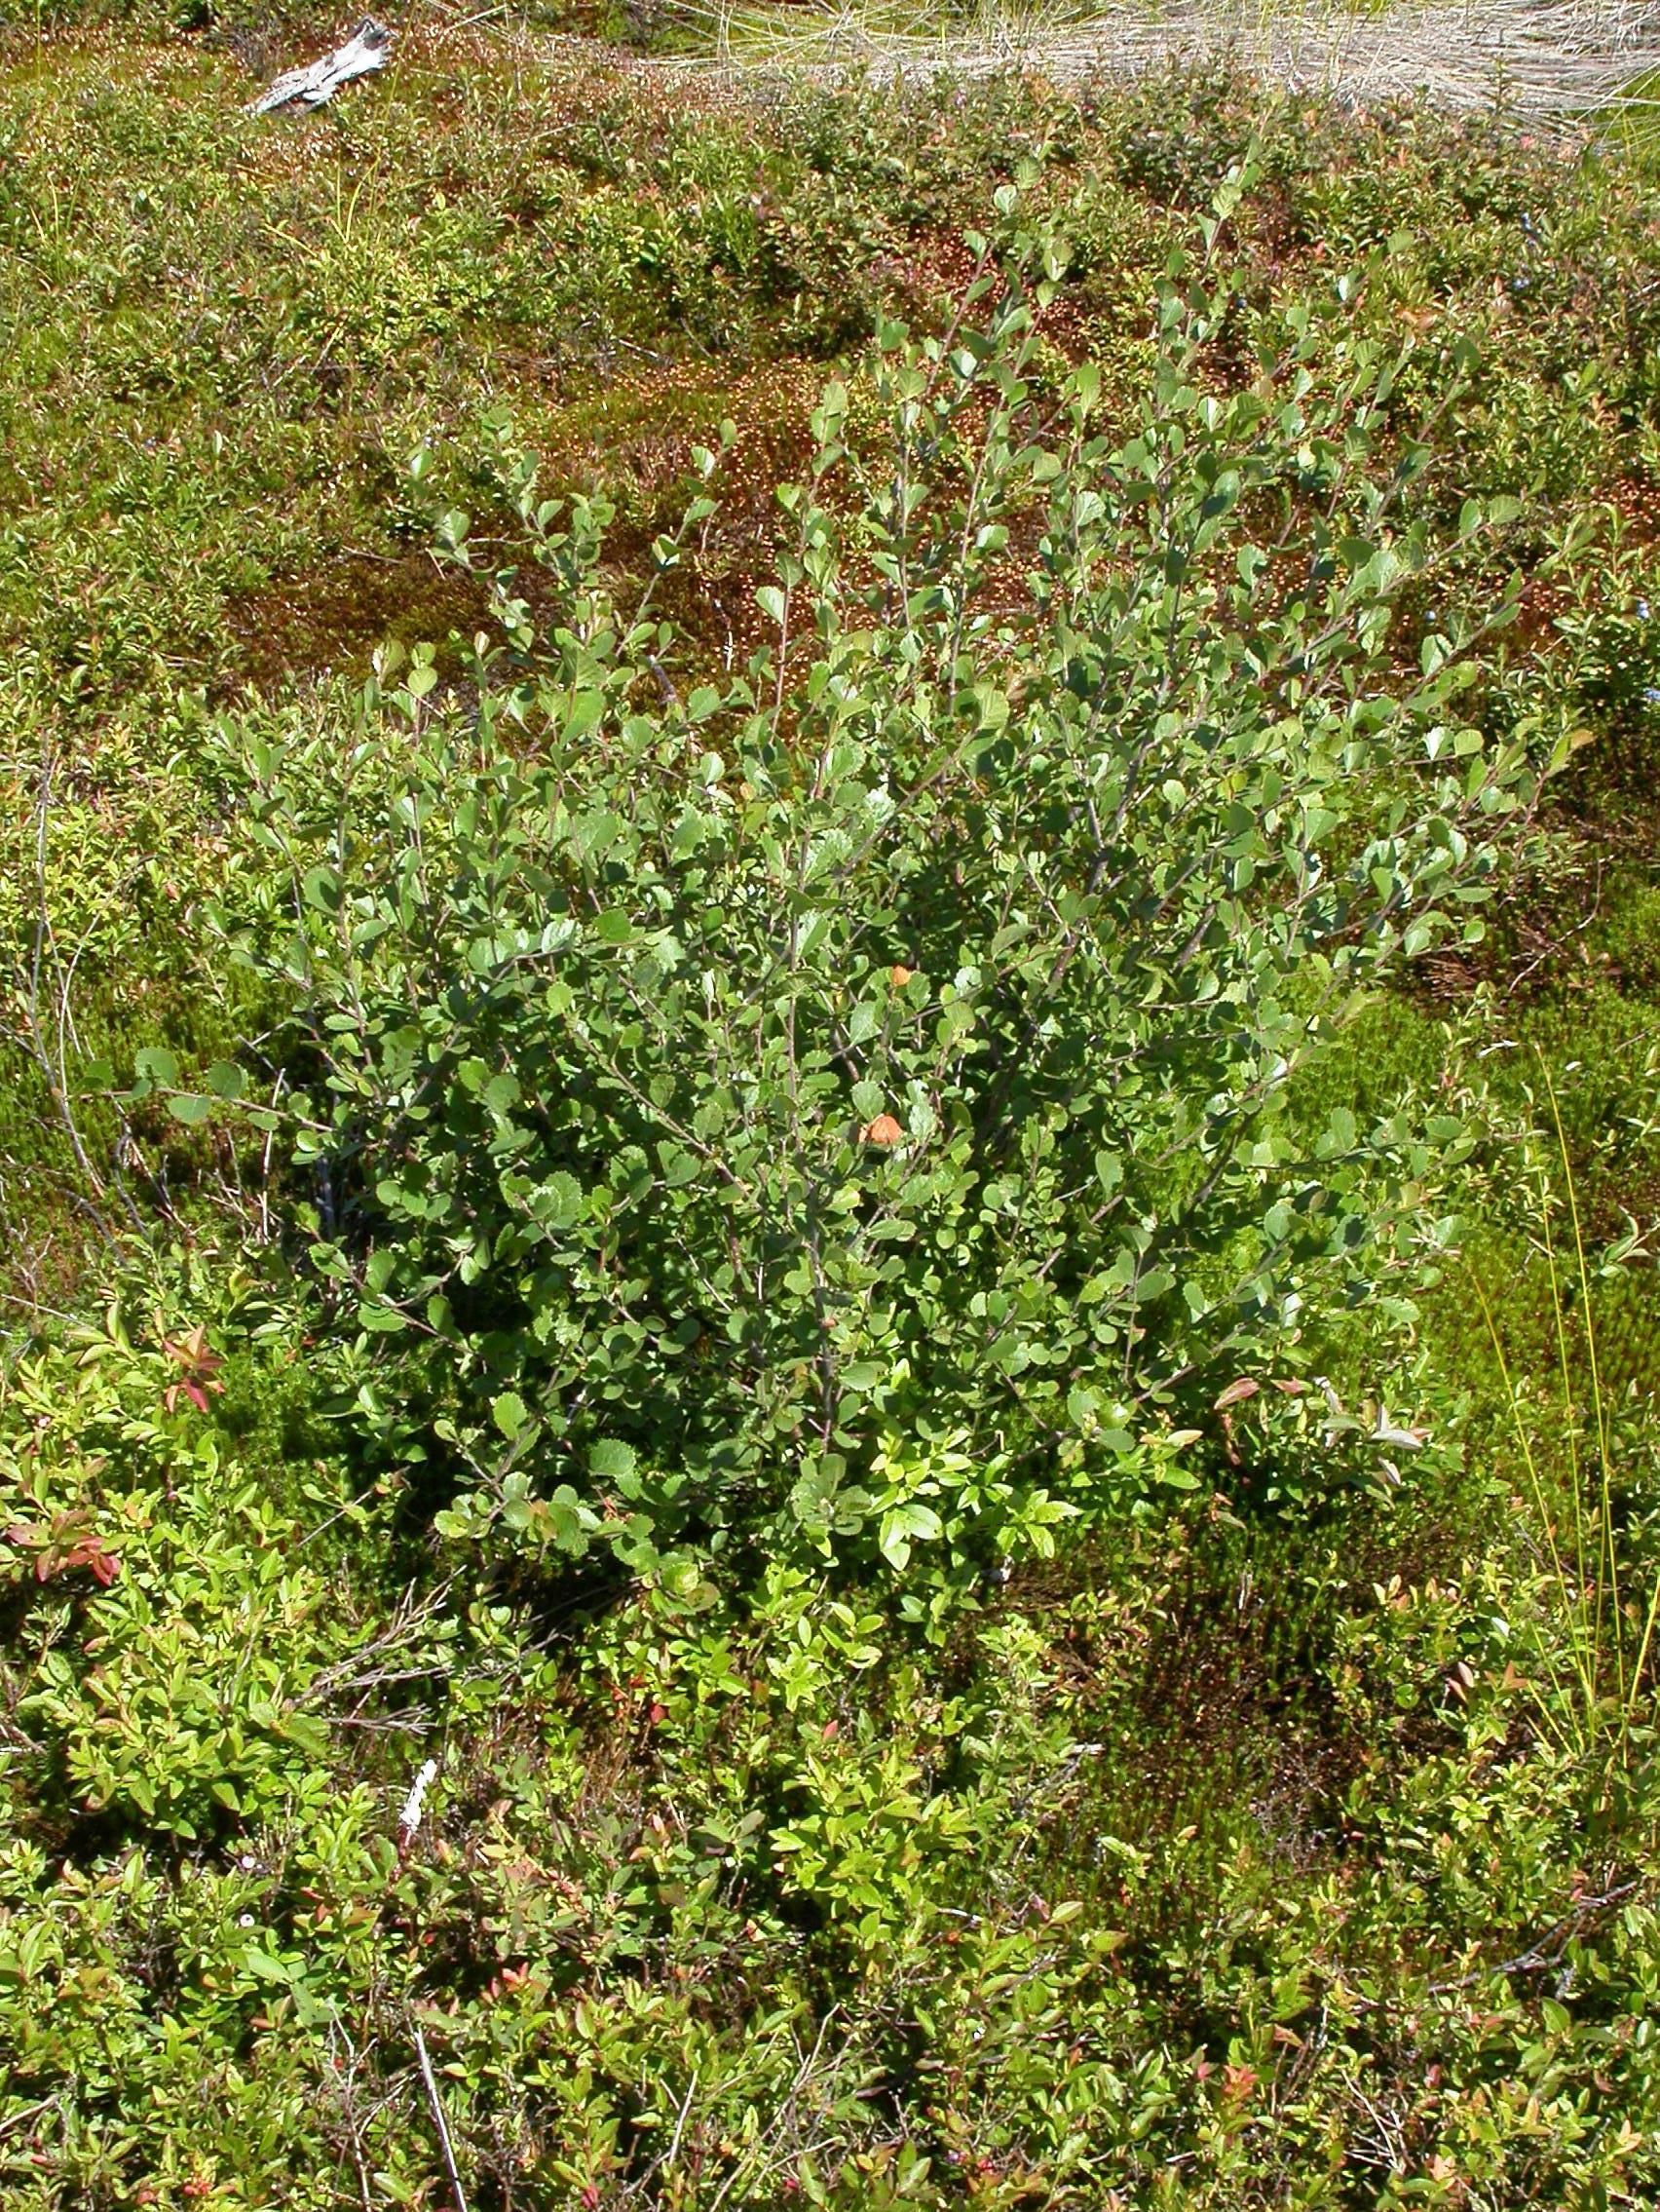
1594,1703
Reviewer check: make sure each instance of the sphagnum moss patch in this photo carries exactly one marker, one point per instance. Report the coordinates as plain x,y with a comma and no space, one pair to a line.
709,1157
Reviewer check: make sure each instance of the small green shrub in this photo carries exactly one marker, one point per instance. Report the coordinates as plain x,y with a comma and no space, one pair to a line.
889,1042
173,1643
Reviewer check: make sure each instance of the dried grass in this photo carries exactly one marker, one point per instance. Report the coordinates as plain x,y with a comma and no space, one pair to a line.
1541,60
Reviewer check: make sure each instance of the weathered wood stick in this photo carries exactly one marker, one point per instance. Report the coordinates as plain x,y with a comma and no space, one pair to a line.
310,87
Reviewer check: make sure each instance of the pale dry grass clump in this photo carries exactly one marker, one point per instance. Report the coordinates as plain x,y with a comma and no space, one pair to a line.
1541,59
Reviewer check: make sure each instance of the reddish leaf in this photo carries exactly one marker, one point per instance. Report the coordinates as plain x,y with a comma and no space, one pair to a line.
63,1544
102,1564
199,1363
1237,1391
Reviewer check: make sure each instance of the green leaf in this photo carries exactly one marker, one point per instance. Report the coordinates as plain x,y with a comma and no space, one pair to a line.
509,1413
156,1066
266,1966
609,1461
901,1525
320,888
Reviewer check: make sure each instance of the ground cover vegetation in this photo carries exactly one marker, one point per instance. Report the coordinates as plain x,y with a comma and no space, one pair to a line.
827,1141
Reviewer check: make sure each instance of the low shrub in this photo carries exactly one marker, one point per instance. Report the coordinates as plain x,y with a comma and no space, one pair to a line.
839,1105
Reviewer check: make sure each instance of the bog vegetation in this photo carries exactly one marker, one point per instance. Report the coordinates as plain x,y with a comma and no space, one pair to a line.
827,1142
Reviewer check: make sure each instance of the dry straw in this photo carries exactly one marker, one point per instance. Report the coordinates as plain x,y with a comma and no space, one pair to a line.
1542,60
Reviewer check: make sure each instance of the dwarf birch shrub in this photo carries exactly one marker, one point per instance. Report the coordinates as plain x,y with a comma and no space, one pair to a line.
835,1103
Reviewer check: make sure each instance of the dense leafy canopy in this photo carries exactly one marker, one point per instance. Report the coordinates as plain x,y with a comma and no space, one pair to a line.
730,1104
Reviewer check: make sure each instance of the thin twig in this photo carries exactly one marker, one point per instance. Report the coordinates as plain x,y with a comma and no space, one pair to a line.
436,2103
680,2123
1547,1952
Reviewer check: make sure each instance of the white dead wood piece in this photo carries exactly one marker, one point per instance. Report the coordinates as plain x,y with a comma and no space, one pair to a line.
364,51
409,1819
